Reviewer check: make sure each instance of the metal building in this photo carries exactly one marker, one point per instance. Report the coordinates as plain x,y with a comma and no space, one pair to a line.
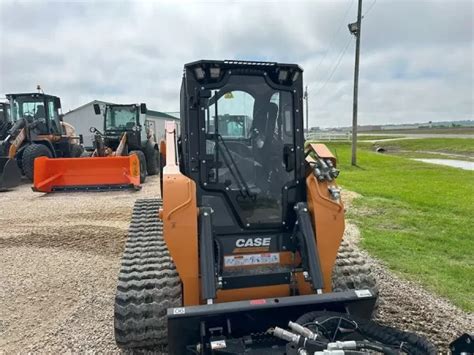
83,118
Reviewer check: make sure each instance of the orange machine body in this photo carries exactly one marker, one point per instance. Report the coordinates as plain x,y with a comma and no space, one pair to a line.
327,214
86,173
180,220
179,216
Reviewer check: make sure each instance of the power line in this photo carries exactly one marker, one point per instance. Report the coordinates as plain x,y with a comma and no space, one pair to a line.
331,42
336,66
370,8
345,48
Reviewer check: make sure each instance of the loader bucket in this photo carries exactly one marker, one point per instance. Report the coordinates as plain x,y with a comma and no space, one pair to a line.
10,174
86,174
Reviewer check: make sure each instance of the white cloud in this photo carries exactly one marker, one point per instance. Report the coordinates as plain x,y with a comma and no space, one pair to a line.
416,61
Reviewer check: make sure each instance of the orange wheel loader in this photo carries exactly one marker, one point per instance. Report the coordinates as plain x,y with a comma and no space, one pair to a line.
240,256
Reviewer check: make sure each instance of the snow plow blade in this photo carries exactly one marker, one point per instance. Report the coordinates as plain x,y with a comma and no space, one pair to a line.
191,325
10,174
86,174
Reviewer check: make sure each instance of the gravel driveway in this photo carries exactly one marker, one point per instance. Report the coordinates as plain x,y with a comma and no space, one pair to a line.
60,255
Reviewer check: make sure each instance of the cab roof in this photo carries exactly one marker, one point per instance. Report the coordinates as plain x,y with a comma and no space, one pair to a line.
32,94
229,64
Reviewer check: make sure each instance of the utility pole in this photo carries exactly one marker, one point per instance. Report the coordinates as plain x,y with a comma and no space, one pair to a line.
305,96
355,28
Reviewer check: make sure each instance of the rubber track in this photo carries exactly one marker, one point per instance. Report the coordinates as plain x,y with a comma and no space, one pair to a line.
351,271
148,283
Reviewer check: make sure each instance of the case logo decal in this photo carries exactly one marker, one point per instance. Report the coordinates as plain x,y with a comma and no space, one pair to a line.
252,242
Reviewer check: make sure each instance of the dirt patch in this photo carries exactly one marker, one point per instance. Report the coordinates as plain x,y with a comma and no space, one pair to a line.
408,306
83,238
348,197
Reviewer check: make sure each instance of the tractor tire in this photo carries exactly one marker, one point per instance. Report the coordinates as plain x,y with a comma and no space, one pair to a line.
351,271
152,161
30,153
76,150
142,160
148,283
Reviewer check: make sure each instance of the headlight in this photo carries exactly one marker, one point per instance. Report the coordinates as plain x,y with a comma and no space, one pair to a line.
200,73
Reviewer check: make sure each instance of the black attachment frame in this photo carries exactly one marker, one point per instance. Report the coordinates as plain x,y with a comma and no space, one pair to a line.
307,246
206,255
255,280
188,326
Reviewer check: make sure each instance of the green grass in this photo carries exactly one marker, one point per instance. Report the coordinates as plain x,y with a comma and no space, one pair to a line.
416,217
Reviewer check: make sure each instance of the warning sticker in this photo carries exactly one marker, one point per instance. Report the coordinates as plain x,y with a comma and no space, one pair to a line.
179,310
363,293
251,259
218,344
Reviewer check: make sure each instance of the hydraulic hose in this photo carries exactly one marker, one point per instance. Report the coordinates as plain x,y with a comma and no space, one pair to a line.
372,346
412,343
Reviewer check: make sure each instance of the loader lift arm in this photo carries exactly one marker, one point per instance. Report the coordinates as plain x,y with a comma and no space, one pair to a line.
207,260
307,247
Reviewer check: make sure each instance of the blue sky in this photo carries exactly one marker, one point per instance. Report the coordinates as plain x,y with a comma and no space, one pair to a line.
416,56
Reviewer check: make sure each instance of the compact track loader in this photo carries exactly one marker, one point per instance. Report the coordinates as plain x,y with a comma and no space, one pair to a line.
241,254
35,129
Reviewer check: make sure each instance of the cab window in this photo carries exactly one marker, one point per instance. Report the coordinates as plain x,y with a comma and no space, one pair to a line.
53,117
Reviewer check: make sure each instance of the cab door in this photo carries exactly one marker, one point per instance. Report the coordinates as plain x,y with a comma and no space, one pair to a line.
54,124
